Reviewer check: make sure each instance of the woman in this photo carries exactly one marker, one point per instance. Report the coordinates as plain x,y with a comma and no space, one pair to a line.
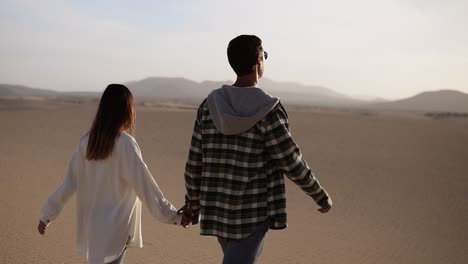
109,176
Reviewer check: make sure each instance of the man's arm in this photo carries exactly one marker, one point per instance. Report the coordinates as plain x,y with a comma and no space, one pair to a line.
193,170
287,155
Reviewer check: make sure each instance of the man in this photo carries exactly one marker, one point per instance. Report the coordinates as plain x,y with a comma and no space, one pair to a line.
241,148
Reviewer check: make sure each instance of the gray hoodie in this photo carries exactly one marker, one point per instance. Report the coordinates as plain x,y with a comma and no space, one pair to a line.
237,109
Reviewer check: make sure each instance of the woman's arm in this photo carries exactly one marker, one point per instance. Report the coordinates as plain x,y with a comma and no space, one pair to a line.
59,198
138,175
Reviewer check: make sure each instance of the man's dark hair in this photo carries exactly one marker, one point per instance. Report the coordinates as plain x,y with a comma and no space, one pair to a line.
243,52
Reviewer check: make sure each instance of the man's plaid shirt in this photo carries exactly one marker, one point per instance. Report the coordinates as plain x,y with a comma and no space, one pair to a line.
236,182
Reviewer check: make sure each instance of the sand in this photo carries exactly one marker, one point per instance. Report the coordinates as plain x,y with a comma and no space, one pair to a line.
399,185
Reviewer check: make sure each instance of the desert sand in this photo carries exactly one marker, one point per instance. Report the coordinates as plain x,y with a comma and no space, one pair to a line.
399,185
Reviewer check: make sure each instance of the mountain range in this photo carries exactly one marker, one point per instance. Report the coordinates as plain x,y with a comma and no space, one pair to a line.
184,90
434,101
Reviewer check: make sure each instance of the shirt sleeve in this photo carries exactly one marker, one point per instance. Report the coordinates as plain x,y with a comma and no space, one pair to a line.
138,175
59,198
288,157
193,169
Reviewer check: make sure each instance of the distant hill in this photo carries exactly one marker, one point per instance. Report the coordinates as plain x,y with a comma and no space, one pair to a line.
434,101
297,93
289,92
162,87
182,89
187,91
19,90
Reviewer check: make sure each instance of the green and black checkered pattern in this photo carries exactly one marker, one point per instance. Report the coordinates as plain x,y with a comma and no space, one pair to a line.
236,182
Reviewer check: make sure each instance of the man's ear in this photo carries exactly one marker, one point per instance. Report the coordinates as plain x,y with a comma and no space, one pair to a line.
259,60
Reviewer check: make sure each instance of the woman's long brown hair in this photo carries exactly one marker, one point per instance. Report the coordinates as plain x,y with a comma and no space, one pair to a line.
116,113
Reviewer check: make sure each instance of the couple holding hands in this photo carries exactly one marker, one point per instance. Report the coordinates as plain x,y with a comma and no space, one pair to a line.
240,151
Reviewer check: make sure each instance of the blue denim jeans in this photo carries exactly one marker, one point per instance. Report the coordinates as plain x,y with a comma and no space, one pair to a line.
247,250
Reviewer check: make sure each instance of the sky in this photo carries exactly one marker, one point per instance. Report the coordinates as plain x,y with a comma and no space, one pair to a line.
365,48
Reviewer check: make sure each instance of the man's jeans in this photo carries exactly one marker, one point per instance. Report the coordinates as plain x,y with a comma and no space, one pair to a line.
247,250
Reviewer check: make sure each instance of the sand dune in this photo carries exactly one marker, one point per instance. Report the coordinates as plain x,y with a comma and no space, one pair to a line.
398,183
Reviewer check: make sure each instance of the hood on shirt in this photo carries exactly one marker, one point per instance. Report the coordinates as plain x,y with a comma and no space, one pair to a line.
235,110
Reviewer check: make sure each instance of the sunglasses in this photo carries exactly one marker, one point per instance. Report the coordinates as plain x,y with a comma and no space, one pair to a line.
265,55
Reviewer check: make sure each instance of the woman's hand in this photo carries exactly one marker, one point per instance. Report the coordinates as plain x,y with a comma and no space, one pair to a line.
41,228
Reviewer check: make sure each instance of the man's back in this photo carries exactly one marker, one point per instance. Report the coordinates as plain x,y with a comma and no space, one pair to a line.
241,147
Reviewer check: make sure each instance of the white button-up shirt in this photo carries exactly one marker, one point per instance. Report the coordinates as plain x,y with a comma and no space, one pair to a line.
108,194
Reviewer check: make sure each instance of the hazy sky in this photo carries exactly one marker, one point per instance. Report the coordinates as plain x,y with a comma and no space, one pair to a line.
381,48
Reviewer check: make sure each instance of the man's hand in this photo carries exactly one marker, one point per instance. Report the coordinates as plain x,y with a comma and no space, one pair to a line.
324,210
186,216
41,228
325,205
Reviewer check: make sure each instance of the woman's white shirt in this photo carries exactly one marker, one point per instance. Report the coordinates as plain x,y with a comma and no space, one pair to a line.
108,194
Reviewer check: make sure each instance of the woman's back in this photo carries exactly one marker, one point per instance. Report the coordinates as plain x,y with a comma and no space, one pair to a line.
102,182
109,176
104,196
107,199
